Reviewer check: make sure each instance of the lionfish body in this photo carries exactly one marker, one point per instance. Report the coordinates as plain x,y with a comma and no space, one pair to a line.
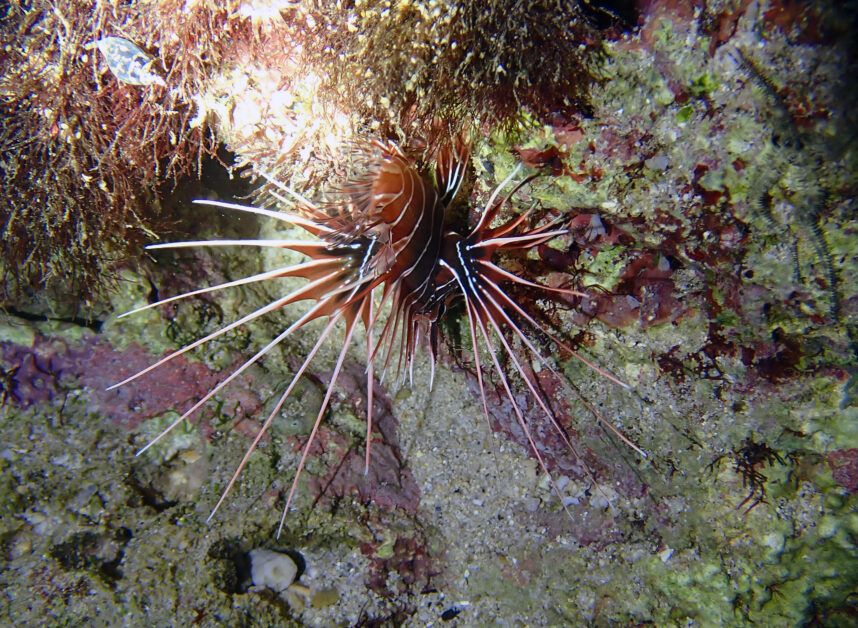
389,232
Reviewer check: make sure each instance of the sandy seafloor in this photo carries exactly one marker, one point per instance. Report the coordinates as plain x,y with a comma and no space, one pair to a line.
739,194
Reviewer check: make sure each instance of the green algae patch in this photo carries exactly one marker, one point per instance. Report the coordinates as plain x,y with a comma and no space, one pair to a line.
19,332
684,113
183,437
704,84
702,593
606,266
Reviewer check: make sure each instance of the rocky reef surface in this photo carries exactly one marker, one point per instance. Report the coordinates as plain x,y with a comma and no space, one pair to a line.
709,193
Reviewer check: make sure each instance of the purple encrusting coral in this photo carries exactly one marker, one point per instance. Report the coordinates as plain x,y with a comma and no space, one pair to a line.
37,374
389,483
844,467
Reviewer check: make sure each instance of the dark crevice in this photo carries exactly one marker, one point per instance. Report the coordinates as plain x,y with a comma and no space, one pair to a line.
92,324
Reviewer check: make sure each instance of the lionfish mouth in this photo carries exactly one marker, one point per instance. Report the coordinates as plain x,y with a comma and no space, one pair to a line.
386,240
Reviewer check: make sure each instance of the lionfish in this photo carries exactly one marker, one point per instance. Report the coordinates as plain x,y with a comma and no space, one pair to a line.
388,232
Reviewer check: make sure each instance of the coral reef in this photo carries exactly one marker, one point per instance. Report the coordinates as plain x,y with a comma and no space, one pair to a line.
710,199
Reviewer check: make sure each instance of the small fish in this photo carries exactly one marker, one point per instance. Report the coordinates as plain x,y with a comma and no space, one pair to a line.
128,62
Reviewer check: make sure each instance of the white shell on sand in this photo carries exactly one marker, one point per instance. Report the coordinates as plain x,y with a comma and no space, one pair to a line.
272,569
